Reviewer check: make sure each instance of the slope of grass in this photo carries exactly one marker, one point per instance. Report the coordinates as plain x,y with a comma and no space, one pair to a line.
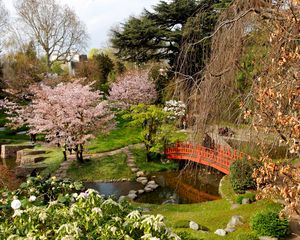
104,168
119,137
213,215
140,160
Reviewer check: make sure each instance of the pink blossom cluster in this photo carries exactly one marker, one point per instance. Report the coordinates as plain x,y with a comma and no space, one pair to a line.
133,88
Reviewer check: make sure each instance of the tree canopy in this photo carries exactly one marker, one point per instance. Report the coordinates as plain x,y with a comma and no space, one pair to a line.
158,34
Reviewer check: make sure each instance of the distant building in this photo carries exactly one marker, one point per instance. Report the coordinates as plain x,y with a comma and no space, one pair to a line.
71,61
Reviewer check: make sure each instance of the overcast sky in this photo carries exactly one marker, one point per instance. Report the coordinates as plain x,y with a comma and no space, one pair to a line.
100,15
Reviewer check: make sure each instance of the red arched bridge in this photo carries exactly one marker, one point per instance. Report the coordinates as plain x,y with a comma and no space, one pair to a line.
219,157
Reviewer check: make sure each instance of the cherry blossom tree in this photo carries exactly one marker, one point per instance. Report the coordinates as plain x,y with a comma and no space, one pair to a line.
67,114
133,88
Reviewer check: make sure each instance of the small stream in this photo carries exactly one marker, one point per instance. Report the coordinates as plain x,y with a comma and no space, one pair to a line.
185,187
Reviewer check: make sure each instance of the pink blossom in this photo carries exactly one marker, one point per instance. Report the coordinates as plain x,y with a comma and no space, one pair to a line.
133,88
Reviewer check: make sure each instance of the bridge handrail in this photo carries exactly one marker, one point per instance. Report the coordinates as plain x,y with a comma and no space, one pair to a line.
220,157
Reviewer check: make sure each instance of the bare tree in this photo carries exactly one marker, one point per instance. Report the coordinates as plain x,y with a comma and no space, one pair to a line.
57,29
4,18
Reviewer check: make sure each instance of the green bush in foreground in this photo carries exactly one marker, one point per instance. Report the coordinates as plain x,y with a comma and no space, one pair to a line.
72,215
269,224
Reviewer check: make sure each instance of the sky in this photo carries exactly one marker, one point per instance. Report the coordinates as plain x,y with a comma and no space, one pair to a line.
100,15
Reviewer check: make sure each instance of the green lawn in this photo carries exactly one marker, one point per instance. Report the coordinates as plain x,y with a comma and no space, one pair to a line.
54,157
121,136
140,160
213,215
105,168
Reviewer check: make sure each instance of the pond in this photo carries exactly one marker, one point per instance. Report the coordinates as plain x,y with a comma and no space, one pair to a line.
181,187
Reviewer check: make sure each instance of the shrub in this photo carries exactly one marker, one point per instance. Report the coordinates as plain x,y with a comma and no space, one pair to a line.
249,195
269,224
246,236
241,175
68,215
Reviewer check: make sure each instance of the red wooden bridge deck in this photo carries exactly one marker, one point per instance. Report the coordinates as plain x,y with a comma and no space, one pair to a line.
219,158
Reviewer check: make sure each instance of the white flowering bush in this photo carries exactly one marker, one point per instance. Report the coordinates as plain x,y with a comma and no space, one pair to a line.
177,109
87,215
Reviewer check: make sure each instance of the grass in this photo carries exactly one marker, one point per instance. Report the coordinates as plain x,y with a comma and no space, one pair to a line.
120,137
227,190
140,160
54,158
104,168
213,215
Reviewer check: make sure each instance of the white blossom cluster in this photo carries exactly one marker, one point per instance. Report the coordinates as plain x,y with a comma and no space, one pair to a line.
176,109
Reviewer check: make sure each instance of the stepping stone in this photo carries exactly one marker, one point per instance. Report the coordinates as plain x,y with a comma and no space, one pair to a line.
144,182
132,192
132,165
132,196
140,174
148,189
141,191
140,179
134,170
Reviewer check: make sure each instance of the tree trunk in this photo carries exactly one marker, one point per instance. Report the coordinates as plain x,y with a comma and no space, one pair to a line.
78,154
65,153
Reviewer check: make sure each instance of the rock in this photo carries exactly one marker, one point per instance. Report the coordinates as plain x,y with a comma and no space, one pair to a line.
131,165
144,182
169,201
141,191
132,196
267,238
220,232
152,186
151,182
235,206
246,201
194,226
122,198
145,210
134,170
147,189
235,221
132,192
229,230
140,179
140,174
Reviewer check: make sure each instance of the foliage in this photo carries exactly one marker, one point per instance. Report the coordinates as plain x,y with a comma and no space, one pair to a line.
157,129
105,65
140,157
101,168
241,175
133,88
23,65
280,180
69,215
246,236
269,224
67,114
155,35
277,104
251,196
